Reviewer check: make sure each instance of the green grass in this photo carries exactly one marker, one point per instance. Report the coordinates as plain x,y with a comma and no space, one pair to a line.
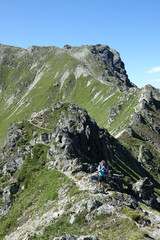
104,227
135,216
39,186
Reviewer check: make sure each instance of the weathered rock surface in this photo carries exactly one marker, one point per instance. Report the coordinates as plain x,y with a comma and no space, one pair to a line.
7,195
10,154
144,189
112,62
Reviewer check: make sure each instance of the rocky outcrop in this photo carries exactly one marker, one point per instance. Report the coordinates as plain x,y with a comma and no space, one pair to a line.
144,190
7,196
77,139
105,57
149,98
11,156
116,110
112,62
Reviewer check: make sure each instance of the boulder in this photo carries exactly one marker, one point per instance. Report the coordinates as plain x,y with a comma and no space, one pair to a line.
44,137
116,110
93,204
14,187
106,209
144,188
7,197
130,201
13,164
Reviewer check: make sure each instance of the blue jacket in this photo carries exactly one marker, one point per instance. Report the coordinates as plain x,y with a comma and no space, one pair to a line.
103,172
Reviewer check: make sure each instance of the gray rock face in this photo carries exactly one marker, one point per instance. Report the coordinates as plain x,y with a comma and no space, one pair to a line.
12,138
112,62
144,189
44,137
150,97
116,110
7,197
106,209
92,204
79,137
10,155
138,117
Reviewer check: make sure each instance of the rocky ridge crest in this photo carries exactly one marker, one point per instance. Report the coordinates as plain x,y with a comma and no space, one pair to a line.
76,145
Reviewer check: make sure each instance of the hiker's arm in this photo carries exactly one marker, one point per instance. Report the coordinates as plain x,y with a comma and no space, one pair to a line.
99,170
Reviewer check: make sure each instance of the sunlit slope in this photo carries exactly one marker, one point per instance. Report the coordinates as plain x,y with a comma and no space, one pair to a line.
33,79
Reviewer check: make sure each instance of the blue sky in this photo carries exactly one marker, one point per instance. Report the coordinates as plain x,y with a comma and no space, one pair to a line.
132,27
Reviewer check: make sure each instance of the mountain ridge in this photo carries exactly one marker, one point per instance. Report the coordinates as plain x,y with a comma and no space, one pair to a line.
43,94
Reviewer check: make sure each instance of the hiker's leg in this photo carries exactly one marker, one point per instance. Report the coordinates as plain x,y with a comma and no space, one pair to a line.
104,182
100,181
103,185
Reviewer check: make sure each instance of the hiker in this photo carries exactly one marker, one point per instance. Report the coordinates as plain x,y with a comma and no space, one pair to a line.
102,169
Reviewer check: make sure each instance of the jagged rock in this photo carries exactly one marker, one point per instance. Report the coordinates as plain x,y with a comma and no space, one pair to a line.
13,164
92,204
116,110
144,188
105,209
79,136
157,129
44,137
10,154
138,117
130,131
13,136
144,104
14,187
152,202
7,196
150,97
67,46
130,201
32,49
78,207
112,62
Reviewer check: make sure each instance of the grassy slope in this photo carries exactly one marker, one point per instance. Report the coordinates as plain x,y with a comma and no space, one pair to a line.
47,92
